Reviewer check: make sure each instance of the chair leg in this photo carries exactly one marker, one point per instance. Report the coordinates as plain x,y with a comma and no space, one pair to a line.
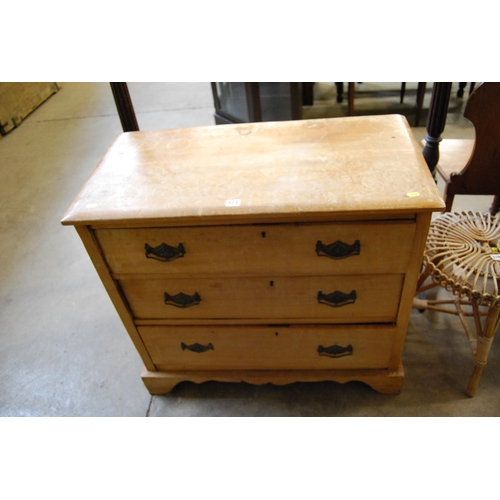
402,93
420,101
340,91
307,93
351,90
448,199
484,341
495,206
425,273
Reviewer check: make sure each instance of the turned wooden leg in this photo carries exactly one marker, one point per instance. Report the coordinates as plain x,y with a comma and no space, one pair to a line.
124,106
436,122
484,341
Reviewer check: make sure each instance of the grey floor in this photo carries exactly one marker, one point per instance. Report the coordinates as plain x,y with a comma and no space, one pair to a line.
63,349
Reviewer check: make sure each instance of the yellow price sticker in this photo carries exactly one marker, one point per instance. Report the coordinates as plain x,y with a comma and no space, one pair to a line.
412,195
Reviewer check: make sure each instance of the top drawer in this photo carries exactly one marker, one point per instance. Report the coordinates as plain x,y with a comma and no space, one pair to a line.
330,248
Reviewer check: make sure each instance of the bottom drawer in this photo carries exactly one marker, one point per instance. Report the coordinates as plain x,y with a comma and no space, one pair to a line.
268,348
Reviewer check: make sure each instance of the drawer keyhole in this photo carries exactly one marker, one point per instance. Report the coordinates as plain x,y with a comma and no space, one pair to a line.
263,234
271,283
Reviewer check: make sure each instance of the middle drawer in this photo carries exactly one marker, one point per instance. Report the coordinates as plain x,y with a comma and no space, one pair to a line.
346,299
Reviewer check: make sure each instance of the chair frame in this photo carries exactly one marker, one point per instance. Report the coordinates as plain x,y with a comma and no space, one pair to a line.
481,174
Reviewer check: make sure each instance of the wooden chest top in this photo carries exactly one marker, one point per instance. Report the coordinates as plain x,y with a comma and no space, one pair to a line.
259,172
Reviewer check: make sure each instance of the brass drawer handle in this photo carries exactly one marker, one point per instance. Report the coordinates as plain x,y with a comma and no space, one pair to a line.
164,252
182,300
337,299
338,250
197,347
335,351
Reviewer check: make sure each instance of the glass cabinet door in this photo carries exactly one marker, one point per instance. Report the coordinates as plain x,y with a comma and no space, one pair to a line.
239,102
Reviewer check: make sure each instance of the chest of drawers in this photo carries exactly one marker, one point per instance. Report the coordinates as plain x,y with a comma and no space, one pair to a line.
269,252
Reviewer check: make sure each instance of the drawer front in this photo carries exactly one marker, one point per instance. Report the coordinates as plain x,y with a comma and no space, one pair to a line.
352,299
247,347
340,248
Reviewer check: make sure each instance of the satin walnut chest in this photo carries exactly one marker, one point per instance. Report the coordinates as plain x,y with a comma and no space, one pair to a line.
266,252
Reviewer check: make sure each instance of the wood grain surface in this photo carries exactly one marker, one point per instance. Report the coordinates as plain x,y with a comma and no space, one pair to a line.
259,171
259,347
261,249
264,298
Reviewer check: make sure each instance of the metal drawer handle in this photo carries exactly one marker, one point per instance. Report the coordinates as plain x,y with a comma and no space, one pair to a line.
335,351
164,252
197,347
338,250
182,300
337,299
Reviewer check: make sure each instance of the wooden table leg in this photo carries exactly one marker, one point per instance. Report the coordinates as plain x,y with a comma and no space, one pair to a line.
124,106
436,122
420,101
307,93
340,91
351,90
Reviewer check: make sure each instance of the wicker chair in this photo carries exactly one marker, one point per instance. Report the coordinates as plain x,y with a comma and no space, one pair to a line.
462,256
462,249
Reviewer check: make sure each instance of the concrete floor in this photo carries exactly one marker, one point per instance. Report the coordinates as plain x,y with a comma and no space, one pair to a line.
63,349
